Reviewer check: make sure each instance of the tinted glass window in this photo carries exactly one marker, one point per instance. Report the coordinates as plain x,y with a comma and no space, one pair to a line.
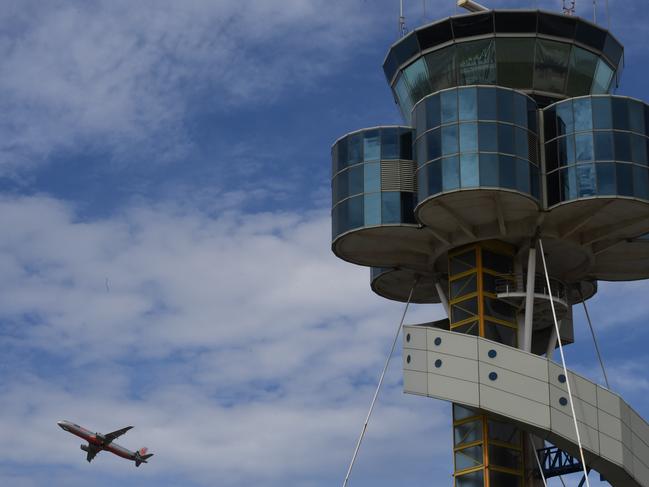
418,79
622,146
342,154
566,147
636,116
569,183
551,66
502,479
403,95
582,70
434,177
520,139
389,143
639,149
603,77
532,116
434,143
405,144
488,136
476,62
606,184
372,177
356,179
620,114
520,110
583,116
641,182
506,138
473,479
391,207
551,161
515,22
449,139
469,170
505,106
468,102
487,104
586,179
441,67
613,49
432,112
372,208
468,137
488,170
371,145
390,66
355,148
450,173
557,25
435,34
507,171
406,48
471,25
565,119
624,173
590,35
603,146
602,115
522,175
515,61
449,106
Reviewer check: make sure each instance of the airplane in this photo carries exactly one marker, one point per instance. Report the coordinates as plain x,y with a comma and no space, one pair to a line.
98,442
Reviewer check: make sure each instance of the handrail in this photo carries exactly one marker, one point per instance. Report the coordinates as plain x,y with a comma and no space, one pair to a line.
516,283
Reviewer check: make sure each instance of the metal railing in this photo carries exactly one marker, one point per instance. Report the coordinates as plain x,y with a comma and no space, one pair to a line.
517,283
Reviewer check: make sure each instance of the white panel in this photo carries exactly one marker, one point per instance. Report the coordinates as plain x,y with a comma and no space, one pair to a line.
611,449
563,425
414,360
514,407
641,472
515,383
610,425
415,382
626,414
513,359
609,402
453,343
454,390
580,387
585,412
453,366
640,449
415,337
640,428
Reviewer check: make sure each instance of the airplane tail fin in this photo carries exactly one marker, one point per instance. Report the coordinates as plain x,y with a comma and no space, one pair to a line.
141,456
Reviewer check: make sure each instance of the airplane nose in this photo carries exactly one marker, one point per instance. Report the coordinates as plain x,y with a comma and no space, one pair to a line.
61,424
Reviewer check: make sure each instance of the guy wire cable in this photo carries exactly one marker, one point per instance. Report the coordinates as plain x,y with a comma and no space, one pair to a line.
563,362
378,387
538,462
592,332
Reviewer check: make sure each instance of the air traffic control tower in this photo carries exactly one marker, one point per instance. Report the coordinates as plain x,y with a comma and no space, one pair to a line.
514,157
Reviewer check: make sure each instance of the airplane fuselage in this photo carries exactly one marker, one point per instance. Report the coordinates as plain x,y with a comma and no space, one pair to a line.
98,442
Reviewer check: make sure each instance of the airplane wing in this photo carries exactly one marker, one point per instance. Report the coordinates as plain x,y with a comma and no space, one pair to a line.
92,452
116,434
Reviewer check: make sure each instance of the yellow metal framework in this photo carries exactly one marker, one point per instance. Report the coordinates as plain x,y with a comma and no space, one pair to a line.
480,455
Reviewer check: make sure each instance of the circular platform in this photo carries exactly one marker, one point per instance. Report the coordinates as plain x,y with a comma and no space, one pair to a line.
395,284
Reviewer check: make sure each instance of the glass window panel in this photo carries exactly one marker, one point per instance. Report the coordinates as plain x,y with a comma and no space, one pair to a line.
464,309
622,146
473,479
583,115
371,145
436,34
342,154
471,328
504,457
434,144
467,432
473,25
583,64
334,159
516,22
468,457
449,106
422,150
449,139
500,333
417,78
469,170
355,149
520,110
496,262
497,308
551,161
353,216
402,93
463,262
407,207
488,136
406,48
584,147
603,77
422,180
641,182
463,286
432,112
515,61
450,173
602,115
434,178
505,106
405,144
468,99
504,432
613,49
569,183
606,184
565,119
390,207
341,186
372,204
551,66
591,35
507,172
468,137
639,149
535,182
462,412
550,123
390,66
356,179
523,175
532,116
506,138
502,479
586,179
636,116
489,170
566,150
441,68
487,104
419,118
557,25
372,175
553,185
389,143
624,174
620,113
521,141
603,146
476,62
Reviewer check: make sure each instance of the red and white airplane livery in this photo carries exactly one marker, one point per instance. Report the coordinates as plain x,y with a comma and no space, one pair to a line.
98,442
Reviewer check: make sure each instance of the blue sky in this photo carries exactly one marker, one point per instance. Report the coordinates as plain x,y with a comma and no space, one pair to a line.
164,169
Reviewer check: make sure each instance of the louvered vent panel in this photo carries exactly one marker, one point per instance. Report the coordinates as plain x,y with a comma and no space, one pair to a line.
398,176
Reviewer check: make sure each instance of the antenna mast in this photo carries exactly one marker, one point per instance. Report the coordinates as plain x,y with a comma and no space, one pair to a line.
402,20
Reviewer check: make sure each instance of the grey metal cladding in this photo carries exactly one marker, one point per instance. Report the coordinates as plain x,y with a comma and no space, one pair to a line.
414,337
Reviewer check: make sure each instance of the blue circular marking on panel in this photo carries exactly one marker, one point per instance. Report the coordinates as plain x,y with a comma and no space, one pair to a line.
438,341
408,359
563,401
493,376
438,363
492,353
562,378
408,337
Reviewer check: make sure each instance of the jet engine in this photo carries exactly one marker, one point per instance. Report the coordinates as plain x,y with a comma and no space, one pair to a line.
84,448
